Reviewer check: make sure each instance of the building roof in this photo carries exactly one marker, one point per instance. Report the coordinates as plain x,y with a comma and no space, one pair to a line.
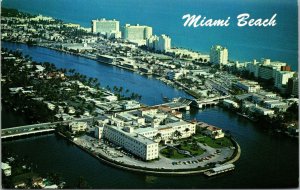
146,129
5,166
223,167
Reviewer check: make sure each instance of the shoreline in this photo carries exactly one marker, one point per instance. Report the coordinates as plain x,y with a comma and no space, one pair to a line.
169,172
173,84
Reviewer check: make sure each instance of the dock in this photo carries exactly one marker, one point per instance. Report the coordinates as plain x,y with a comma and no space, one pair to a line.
219,169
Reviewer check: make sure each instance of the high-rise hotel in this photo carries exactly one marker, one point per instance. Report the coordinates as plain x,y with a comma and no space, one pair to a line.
136,32
110,28
219,55
159,43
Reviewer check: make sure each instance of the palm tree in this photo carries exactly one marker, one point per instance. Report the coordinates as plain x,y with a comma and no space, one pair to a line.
187,130
157,136
177,134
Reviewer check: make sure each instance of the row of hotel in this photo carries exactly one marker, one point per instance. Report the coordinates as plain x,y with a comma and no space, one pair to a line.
139,34
284,79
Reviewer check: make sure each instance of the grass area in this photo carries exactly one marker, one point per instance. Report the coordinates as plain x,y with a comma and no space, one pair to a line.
172,153
195,151
214,143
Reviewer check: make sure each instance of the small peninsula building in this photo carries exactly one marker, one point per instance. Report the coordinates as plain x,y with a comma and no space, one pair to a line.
139,131
136,144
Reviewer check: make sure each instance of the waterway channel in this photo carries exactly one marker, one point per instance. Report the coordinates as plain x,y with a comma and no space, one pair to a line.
268,159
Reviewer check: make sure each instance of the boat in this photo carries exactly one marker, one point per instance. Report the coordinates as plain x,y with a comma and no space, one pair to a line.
219,169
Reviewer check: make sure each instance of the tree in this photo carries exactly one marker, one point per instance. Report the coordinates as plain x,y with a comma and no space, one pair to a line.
177,134
157,136
187,130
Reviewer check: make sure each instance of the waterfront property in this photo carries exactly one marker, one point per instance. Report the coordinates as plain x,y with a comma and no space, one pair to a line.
212,131
139,131
78,126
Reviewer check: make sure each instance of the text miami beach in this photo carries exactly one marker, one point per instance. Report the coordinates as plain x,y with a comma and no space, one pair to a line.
243,20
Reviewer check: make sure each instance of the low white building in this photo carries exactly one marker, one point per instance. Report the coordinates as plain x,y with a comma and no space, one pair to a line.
274,104
262,111
139,131
6,168
136,144
230,103
248,86
212,131
78,126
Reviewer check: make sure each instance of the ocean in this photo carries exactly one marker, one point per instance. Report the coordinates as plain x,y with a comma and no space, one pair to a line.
279,43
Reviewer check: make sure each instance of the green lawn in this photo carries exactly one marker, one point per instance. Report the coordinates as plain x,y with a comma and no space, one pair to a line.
214,143
194,151
172,153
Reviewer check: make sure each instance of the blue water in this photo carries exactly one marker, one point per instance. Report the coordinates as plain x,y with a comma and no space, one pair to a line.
246,43
268,159
151,90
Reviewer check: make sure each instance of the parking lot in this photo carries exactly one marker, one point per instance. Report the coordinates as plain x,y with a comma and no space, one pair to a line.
109,150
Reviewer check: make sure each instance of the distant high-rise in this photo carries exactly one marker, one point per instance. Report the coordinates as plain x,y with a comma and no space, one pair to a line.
159,43
282,77
136,32
293,86
110,28
219,55
164,43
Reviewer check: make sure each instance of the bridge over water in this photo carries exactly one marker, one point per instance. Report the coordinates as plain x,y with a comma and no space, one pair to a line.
38,128
200,103
181,103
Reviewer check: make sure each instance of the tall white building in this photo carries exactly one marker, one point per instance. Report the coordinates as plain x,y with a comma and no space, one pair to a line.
136,32
164,43
151,42
219,55
159,43
265,69
110,28
282,78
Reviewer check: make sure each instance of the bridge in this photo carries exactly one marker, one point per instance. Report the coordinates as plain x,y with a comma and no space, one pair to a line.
200,103
177,104
38,128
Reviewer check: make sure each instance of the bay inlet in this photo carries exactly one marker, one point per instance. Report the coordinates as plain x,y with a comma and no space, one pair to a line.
268,159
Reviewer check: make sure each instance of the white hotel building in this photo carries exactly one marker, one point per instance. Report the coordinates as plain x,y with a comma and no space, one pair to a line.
137,144
139,131
219,55
159,43
137,33
110,28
